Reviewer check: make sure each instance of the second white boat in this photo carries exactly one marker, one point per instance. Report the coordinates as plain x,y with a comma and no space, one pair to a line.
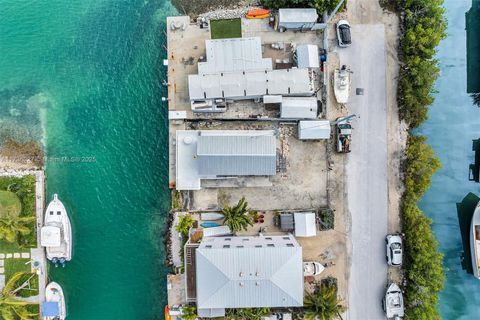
56,234
475,241
54,307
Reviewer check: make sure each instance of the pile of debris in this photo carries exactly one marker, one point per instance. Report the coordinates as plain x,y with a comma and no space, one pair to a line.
224,13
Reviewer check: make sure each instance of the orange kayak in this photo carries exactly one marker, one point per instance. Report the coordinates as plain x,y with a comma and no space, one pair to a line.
263,16
167,313
257,12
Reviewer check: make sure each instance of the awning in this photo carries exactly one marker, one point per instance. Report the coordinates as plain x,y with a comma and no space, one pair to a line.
50,309
305,224
286,222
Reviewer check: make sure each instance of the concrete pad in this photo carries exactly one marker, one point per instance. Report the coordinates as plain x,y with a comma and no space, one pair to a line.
25,255
9,255
2,270
2,281
2,263
2,255
16,255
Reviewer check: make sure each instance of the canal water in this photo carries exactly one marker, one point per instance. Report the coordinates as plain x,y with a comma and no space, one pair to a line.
86,75
453,123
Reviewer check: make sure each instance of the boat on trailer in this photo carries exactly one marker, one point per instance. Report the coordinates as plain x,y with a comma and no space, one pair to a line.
54,307
475,241
341,84
56,233
393,302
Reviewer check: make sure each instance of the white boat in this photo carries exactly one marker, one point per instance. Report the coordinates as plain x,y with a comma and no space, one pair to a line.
393,302
475,241
341,84
54,307
312,268
56,234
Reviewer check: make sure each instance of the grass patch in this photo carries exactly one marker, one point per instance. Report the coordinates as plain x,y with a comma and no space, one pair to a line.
13,266
226,28
10,204
24,190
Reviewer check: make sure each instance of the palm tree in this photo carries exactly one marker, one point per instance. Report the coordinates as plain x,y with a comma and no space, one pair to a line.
12,227
185,222
323,304
189,313
237,217
11,308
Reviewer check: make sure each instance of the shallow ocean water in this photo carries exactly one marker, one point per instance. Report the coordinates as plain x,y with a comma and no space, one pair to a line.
453,123
97,66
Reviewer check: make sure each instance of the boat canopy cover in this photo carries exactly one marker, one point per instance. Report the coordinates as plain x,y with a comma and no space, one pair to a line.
50,236
50,309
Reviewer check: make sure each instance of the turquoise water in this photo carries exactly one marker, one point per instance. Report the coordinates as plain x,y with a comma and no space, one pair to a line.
452,125
94,70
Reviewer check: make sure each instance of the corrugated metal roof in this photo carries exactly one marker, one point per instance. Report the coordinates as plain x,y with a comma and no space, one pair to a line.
307,56
247,85
254,144
239,54
250,276
314,129
297,15
221,155
299,107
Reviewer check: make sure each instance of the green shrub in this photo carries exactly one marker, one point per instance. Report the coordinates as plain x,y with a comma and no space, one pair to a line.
423,262
327,219
423,27
185,222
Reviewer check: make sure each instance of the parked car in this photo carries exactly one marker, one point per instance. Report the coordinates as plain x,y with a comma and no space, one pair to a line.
394,250
343,34
312,268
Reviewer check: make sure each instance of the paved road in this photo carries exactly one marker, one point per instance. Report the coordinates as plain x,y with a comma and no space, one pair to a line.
367,171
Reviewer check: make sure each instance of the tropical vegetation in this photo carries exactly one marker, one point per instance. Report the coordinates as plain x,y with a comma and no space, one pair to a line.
248,313
323,303
238,217
423,263
189,312
423,26
11,307
12,228
320,5
17,212
185,222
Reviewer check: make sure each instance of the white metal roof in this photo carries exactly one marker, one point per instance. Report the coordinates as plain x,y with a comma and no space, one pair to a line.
307,56
251,84
299,107
237,54
257,272
297,15
305,224
50,236
314,129
202,154
235,154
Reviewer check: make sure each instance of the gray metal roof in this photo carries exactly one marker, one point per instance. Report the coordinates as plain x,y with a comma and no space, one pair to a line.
258,272
238,54
297,15
307,56
250,84
240,154
299,107
314,129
